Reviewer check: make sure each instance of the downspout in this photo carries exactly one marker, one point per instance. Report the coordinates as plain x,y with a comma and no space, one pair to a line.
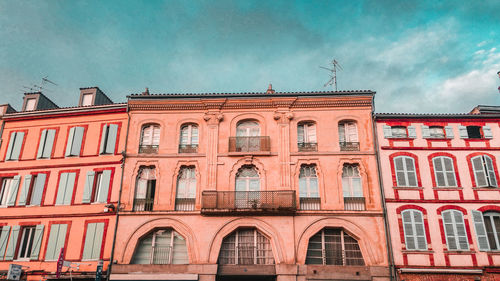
124,155
390,256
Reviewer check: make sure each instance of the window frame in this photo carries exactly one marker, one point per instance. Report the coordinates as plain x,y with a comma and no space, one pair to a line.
324,255
104,140
21,242
490,215
94,241
6,194
155,134
309,133
487,172
350,186
405,170
13,144
348,136
413,225
455,227
153,246
442,158
234,246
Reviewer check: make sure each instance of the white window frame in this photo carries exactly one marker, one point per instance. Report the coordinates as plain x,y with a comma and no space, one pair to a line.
405,171
191,130
155,135
308,132
348,181
7,185
305,185
348,132
268,253
444,171
26,256
413,224
455,224
488,173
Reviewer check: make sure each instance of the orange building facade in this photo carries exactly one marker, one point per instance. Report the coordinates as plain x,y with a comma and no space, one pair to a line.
250,186
60,173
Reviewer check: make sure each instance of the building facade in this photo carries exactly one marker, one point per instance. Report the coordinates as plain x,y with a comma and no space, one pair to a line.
251,186
440,183
60,173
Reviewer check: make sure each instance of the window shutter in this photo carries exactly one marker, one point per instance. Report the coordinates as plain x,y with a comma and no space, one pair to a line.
41,145
479,173
156,135
487,134
61,190
25,190
13,191
311,133
102,148
408,230
387,132
37,242
411,171
491,171
463,243
482,238
449,230
110,145
300,133
463,132
418,219
194,134
400,171
449,132
425,132
49,142
412,132
104,188
69,143
36,196
12,140
439,171
77,141
147,134
56,241
342,132
184,135
352,132
16,150
4,236
449,171
70,185
11,248
90,239
89,184
98,237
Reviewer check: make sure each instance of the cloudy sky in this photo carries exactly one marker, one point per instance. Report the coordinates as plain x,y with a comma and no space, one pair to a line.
420,56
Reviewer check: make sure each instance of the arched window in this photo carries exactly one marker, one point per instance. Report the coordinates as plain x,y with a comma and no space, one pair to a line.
145,189
444,171
163,246
487,226
247,128
308,188
150,138
246,246
188,139
247,187
484,171
333,246
348,136
306,136
248,138
414,230
406,175
454,228
186,189
352,188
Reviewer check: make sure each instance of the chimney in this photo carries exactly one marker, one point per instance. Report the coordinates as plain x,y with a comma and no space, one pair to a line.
37,101
146,93
93,96
270,89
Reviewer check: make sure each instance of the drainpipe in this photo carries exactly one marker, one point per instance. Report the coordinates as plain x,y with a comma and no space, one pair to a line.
124,155
390,256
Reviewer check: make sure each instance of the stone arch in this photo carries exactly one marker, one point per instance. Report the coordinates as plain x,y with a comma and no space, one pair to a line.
249,160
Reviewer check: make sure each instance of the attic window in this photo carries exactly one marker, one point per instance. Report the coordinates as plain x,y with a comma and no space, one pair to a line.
87,99
30,104
474,132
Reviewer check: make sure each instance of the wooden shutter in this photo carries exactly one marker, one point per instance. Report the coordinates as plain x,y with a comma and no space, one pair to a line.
70,185
300,133
342,132
102,147
61,190
481,235
439,172
16,150
93,241
12,140
463,243
311,133
412,132
37,242
38,187
400,171
14,186
25,190
487,134
449,132
11,247
463,132
104,187
56,241
112,132
147,135
449,230
184,135
387,132
351,132
77,141
491,171
49,142
156,135
89,185
194,134
41,145
479,172
69,143
411,171
4,236
425,132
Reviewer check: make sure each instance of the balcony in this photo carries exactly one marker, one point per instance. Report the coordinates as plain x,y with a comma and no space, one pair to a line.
354,203
349,146
184,204
143,205
307,146
248,202
148,149
188,148
249,144
310,203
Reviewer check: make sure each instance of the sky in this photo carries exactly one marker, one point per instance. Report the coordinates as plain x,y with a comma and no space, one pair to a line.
419,56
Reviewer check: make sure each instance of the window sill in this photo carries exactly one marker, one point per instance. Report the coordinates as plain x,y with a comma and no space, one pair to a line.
476,139
408,187
486,188
438,139
401,138
447,188
249,153
459,252
417,251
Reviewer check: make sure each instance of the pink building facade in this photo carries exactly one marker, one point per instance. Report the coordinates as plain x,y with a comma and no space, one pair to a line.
251,186
440,183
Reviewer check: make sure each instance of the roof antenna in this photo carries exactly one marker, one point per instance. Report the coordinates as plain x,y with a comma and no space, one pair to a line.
333,75
498,77
40,87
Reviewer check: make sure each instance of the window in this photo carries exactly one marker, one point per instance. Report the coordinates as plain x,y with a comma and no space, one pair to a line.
332,246
65,188
188,142
108,139
475,132
8,193
414,230
487,226
454,228
186,189
87,99
74,144
30,104
97,187
399,132
26,243
352,188
246,246
26,239
93,241
15,146
164,246
248,136
348,136
444,171
308,188
406,175
437,132
306,136
57,238
484,172
150,139
46,143
32,191
247,187
145,189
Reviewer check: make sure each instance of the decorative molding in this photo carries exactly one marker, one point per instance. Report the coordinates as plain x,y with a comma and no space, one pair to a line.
213,118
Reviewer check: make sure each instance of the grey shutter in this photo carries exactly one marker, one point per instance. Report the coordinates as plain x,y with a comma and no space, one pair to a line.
104,188
16,150
77,141
102,148
37,242
69,144
421,240
408,230
93,241
491,171
39,154
449,171
387,132
425,132
36,196
99,232
479,172
11,145
487,134
400,171
463,243
449,132
482,238
89,184
412,132
3,240
13,191
112,132
11,248
49,142
61,190
56,241
300,133
70,185
439,171
449,230
411,172
463,132
25,190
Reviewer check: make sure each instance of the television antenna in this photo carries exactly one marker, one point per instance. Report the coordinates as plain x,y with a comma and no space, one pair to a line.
42,86
333,73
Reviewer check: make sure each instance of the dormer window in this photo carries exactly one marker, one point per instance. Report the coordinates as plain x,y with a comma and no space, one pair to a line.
87,99
399,132
436,132
30,104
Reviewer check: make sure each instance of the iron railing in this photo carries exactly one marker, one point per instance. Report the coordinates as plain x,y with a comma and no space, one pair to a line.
307,146
354,203
310,203
161,255
349,146
148,149
248,201
184,204
143,205
249,144
188,148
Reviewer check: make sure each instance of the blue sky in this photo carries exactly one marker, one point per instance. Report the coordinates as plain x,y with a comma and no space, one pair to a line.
420,56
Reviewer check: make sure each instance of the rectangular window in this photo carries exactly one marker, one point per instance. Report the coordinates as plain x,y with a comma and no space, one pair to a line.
108,139
30,105
4,237
74,144
97,187
93,241
405,171
399,132
26,242
56,241
444,172
454,228
46,143
65,189
87,99
414,230
15,146
32,191
484,171
8,192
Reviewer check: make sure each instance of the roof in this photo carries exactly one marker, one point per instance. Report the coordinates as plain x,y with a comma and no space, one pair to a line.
486,109
434,115
251,94
65,111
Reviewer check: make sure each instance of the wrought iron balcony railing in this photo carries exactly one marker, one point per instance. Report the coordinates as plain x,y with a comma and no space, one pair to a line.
161,255
184,204
148,149
307,146
349,146
188,148
216,202
310,203
249,144
354,203
143,205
